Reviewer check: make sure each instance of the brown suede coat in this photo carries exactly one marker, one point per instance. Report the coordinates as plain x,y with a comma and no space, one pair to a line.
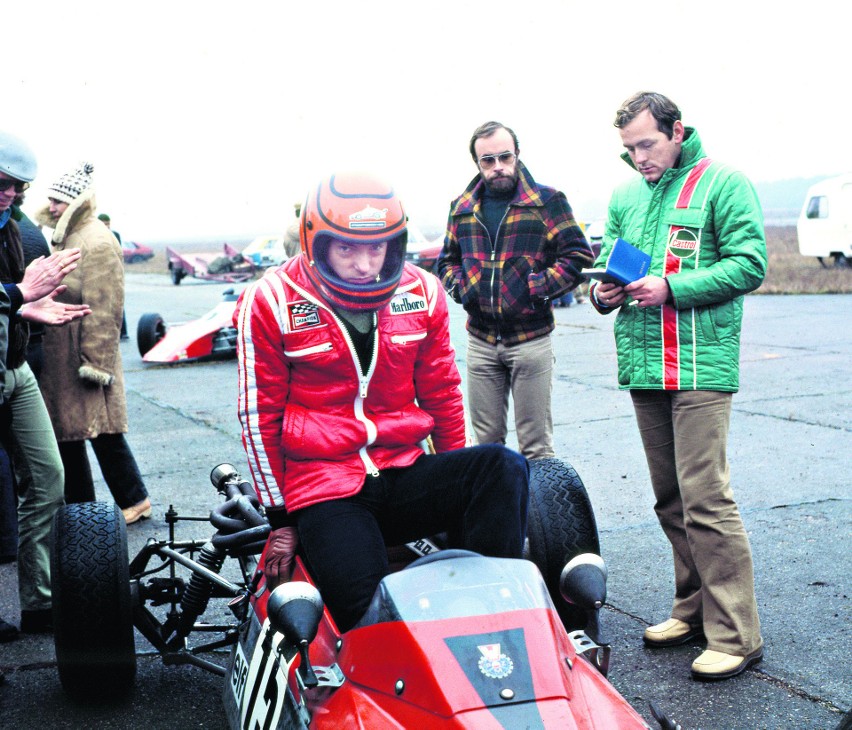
82,380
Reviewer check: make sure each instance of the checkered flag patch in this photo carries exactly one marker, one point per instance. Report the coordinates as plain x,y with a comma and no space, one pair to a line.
303,308
303,315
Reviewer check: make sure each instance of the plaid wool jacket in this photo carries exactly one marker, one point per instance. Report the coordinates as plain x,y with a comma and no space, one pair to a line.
506,286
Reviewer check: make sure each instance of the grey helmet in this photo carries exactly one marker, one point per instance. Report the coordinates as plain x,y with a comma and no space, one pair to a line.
16,158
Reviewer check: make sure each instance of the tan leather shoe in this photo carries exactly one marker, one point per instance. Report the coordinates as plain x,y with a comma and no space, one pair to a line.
673,632
141,511
713,665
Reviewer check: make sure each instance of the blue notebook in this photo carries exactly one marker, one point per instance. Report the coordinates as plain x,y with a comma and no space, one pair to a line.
624,264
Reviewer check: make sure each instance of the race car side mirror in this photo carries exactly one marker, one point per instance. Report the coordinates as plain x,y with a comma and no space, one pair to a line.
295,610
583,581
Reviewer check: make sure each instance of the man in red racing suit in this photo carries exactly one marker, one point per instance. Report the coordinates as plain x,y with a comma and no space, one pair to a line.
345,369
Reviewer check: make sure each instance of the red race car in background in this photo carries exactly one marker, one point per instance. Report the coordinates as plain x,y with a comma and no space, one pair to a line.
210,336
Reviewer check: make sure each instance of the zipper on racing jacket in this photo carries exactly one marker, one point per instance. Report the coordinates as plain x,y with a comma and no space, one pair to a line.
363,380
363,388
494,307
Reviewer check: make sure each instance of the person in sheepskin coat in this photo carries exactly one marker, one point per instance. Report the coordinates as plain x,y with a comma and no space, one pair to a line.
82,379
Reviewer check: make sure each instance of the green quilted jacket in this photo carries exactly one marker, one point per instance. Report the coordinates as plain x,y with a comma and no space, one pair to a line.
703,226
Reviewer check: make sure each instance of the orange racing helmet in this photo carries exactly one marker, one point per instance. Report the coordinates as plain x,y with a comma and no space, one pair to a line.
355,208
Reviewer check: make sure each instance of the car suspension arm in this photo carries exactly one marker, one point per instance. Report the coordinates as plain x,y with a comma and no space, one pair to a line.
231,589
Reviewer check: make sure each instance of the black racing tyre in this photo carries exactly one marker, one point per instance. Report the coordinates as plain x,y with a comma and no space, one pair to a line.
177,274
149,331
560,525
92,612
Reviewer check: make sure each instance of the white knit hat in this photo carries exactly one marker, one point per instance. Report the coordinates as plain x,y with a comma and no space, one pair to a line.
70,185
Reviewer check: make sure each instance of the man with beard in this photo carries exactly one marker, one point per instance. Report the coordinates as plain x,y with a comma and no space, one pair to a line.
512,246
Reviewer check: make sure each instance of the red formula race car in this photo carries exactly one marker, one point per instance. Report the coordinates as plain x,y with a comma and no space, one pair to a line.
451,639
210,336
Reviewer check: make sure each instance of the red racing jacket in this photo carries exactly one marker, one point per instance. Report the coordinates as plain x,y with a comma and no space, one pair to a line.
313,426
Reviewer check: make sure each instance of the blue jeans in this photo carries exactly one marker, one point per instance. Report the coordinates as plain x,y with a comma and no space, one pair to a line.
477,495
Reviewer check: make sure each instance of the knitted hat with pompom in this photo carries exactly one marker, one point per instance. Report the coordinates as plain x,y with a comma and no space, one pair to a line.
72,184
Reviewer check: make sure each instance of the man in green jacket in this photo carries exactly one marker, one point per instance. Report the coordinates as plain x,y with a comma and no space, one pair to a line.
678,337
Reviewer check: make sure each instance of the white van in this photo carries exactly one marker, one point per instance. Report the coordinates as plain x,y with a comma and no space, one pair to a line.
825,223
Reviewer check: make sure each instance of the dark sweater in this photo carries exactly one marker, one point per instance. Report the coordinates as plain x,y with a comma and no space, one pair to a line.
12,272
493,209
33,244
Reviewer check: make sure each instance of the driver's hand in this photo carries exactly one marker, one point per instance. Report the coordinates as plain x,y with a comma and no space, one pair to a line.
280,549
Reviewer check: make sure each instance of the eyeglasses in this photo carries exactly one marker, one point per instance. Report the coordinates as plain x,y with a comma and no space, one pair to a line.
486,162
19,186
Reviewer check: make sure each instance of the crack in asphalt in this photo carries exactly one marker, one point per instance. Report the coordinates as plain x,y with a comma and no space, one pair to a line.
792,419
792,689
760,674
32,666
573,380
651,522
177,411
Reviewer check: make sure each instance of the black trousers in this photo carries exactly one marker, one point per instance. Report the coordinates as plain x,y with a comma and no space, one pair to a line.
477,495
8,491
8,510
118,466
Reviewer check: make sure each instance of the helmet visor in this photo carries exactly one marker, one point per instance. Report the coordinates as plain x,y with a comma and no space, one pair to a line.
357,273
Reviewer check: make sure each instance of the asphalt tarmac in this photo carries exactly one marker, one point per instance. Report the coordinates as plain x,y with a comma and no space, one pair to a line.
790,440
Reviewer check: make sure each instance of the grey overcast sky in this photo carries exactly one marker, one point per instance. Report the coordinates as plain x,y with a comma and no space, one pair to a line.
209,119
